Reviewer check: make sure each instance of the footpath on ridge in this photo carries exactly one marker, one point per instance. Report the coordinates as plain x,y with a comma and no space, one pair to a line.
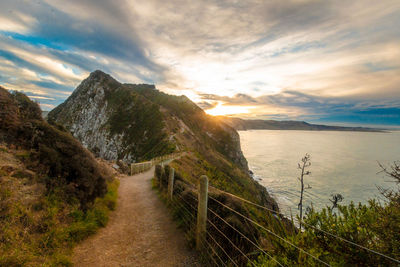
140,232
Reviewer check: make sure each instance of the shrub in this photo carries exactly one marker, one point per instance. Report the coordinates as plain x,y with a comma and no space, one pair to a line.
54,153
375,226
70,200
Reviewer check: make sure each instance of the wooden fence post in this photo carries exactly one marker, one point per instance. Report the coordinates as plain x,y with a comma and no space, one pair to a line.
157,173
202,212
171,183
162,173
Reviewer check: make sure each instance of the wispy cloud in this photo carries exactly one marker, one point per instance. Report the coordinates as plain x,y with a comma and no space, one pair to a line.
287,58
294,105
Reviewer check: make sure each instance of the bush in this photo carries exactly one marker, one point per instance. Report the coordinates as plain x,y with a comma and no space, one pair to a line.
375,226
55,154
70,199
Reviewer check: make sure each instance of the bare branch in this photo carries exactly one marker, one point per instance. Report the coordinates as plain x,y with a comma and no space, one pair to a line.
305,164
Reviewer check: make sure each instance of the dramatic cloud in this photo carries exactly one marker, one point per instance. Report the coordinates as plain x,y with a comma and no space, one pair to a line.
319,60
301,106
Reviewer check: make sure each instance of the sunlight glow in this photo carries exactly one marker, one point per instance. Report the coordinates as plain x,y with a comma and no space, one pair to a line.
222,109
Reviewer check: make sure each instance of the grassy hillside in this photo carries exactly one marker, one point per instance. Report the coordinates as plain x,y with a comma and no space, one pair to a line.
214,146
193,129
101,110
53,193
139,122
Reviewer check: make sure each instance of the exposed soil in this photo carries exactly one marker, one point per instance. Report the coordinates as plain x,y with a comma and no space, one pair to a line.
140,232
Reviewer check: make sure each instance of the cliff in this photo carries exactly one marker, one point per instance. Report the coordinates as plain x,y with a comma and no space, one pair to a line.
135,122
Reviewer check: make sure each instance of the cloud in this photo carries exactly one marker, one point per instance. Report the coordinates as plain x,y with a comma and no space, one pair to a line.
60,39
294,105
207,105
288,57
238,99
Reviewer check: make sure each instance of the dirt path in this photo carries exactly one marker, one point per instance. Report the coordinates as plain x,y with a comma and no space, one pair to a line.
140,232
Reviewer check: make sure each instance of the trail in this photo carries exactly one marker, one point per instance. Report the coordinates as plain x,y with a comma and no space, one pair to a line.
140,232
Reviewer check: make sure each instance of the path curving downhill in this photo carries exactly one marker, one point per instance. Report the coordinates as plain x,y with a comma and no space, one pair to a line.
140,232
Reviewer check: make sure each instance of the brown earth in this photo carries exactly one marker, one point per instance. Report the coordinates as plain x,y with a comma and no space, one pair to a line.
140,232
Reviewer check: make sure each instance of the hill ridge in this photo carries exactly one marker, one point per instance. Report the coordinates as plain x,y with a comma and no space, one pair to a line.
136,122
249,124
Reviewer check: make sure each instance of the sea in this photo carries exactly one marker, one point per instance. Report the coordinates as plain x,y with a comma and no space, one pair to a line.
345,163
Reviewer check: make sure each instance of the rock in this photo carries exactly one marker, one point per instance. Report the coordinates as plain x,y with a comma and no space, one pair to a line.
108,118
136,122
115,166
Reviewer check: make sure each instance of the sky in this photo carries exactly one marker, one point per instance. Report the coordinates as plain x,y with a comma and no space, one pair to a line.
322,61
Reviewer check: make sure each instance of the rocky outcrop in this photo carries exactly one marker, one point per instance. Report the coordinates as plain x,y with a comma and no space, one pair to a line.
85,114
111,120
133,122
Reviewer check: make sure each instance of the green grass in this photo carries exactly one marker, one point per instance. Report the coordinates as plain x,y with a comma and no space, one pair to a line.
23,155
141,122
45,233
87,223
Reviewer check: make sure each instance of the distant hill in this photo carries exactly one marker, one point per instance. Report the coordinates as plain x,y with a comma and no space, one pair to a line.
242,124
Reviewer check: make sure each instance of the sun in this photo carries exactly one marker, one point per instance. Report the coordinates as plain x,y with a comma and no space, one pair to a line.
222,109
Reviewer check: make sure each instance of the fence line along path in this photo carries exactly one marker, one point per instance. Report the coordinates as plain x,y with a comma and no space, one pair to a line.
140,232
202,233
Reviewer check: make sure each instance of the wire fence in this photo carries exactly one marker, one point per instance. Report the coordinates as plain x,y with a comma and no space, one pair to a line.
311,226
224,244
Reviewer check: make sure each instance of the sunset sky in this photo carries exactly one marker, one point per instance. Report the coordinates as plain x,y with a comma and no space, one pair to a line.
335,62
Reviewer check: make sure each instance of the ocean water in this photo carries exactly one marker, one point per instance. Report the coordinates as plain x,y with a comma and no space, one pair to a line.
341,162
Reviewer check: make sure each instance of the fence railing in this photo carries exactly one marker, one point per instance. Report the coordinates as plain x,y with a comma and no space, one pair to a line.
141,167
147,165
198,212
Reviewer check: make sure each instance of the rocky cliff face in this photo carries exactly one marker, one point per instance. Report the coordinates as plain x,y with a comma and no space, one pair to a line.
112,120
137,122
85,113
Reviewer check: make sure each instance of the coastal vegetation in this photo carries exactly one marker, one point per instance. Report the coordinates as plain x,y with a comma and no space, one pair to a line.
53,193
374,228
344,235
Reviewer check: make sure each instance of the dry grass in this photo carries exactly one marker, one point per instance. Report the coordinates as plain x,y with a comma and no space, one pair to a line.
37,228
